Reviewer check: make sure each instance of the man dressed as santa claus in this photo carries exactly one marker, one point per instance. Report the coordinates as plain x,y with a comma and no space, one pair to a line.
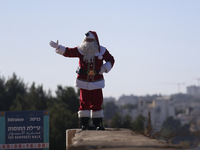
94,60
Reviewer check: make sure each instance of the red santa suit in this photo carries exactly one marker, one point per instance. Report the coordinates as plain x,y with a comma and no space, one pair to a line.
88,79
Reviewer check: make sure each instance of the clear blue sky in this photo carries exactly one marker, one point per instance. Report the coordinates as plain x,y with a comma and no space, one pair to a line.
156,43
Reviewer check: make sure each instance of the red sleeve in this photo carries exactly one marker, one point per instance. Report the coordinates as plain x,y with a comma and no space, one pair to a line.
71,52
108,57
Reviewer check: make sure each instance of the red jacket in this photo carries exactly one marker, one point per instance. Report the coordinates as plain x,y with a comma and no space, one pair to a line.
86,74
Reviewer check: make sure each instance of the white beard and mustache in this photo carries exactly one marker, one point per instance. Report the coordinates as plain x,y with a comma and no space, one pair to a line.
89,49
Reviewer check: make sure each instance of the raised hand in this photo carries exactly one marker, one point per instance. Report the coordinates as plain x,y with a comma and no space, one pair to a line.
54,44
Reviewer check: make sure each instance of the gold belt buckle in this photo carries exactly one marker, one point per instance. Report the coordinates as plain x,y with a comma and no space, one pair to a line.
91,72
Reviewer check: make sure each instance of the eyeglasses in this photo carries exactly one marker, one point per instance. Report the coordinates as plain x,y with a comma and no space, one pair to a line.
87,34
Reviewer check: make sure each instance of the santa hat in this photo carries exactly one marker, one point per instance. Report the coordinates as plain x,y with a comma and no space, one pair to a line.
93,35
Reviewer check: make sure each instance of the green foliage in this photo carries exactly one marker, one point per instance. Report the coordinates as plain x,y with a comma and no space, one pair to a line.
127,122
110,109
2,94
34,99
116,121
19,104
139,123
12,87
37,98
171,124
68,96
61,119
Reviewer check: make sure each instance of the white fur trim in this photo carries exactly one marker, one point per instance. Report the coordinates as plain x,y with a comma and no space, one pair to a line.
102,51
79,50
103,69
90,36
60,50
83,113
108,66
97,114
90,85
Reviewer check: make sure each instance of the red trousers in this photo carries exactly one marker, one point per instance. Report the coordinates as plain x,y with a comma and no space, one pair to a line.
91,99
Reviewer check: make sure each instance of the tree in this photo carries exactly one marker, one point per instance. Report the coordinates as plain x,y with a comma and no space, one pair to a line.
61,119
3,98
37,98
171,124
13,86
34,99
110,110
116,121
139,123
127,122
19,104
69,97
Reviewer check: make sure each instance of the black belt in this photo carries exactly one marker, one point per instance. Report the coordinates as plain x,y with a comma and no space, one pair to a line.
89,72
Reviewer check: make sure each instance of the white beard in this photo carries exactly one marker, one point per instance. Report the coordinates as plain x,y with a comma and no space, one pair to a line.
89,49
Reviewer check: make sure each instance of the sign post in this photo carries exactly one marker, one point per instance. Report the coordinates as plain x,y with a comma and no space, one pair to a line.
24,130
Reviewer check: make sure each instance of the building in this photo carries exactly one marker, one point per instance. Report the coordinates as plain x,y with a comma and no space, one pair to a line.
161,109
193,90
109,99
123,100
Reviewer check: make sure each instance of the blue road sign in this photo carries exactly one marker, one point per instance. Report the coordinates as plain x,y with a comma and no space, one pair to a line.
24,130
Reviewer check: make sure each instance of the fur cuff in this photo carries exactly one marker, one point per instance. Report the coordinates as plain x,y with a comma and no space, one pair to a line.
83,113
60,50
108,66
97,114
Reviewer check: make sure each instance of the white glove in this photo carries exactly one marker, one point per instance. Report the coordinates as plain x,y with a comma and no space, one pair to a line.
54,45
103,69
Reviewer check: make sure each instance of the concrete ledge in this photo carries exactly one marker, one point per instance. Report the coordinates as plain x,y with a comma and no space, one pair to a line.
121,139
69,136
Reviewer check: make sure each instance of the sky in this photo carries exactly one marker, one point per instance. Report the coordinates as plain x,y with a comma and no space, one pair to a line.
155,43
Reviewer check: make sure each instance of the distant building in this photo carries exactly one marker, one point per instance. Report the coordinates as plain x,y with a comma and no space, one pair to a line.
128,100
183,118
161,109
193,90
143,108
123,100
109,99
133,113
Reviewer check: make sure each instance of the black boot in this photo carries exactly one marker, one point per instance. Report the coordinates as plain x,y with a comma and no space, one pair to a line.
85,124
97,122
